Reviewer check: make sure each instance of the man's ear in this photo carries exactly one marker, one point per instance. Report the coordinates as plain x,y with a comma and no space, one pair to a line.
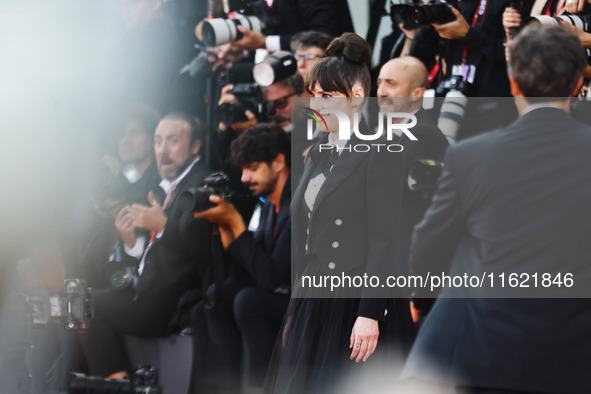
575,92
195,147
279,163
515,90
417,93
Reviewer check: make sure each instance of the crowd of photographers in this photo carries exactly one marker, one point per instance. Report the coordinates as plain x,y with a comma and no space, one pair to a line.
191,229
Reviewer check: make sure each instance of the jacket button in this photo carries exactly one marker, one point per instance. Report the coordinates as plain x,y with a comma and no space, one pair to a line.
335,245
338,222
331,265
385,312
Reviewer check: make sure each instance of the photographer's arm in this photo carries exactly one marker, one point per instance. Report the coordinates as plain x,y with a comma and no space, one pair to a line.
226,215
490,47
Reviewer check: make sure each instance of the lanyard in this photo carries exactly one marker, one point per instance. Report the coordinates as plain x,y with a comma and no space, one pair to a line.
479,16
550,4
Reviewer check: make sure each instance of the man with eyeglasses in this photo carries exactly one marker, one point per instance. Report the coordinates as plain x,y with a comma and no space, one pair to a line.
280,93
308,48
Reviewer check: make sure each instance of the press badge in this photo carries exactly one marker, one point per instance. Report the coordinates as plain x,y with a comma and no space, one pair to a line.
467,71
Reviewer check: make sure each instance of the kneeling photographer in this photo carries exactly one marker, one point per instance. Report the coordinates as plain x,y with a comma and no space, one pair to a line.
254,297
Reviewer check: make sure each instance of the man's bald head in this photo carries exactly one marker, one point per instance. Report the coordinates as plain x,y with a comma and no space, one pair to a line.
403,77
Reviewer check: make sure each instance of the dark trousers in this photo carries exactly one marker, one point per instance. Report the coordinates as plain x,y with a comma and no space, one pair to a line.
258,315
243,325
217,345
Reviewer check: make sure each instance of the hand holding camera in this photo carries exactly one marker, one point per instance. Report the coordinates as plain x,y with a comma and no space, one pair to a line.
251,40
454,30
227,97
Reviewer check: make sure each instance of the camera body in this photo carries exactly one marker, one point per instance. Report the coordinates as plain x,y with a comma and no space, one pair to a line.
72,307
453,83
196,199
248,79
415,13
249,96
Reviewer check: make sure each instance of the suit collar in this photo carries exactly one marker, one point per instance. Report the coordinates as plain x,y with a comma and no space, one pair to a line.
342,169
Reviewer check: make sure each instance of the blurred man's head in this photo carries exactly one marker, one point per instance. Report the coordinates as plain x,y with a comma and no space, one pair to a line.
309,47
177,142
281,93
136,138
545,62
403,77
263,154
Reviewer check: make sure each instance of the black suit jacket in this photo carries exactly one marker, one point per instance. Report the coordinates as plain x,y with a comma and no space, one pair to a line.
328,16
356,217
267,257
512,199
174,263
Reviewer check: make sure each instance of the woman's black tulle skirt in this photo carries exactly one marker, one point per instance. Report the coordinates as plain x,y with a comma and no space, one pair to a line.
312,350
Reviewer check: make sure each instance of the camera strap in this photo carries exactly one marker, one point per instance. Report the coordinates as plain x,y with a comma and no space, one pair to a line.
553,7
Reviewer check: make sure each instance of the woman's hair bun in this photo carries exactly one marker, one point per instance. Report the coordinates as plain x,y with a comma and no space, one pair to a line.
351,47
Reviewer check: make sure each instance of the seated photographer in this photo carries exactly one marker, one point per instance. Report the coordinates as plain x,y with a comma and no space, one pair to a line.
308,48
170,260
123,182
254,298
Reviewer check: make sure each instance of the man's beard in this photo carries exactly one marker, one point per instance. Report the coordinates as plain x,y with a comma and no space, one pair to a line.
175,172
264,188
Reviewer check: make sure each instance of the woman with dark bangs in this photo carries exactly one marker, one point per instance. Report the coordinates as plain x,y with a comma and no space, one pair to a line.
345,214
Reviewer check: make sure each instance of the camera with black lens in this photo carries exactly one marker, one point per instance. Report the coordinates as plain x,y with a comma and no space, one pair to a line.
196,199
144,381
415,13
72,307
118,275
249,96
251,14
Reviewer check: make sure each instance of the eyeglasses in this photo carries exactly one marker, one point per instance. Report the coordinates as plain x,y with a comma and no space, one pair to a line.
306,57
282,102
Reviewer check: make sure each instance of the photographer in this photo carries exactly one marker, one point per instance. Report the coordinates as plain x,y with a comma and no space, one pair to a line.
168,262
124,181
308,48
471,56
328,16
279,94
255,297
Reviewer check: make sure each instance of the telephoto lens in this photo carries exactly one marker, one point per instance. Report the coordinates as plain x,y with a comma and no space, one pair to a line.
220,31
276,67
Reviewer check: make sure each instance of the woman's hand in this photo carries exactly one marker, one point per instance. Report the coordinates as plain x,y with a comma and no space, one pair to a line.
364,338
